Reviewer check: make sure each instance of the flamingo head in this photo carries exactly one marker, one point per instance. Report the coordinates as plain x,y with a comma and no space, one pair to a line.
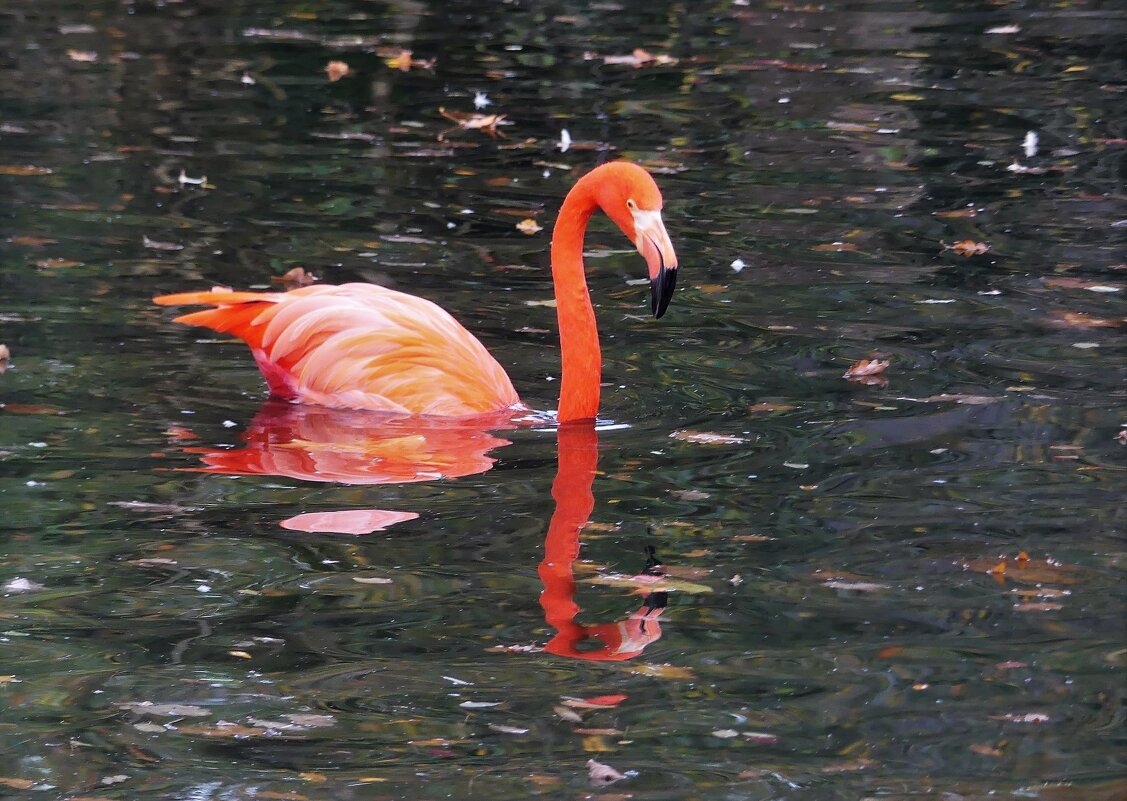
631,198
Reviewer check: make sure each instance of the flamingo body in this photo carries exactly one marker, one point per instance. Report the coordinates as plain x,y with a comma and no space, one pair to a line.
359,346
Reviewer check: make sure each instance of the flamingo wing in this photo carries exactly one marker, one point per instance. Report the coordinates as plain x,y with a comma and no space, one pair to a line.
358,346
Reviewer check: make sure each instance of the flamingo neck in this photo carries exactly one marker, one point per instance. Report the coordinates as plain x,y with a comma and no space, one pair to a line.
579,336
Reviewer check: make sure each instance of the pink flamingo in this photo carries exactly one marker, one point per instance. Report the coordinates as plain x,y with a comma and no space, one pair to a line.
361,346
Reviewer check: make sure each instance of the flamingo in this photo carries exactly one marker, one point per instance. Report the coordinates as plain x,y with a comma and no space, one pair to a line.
361,346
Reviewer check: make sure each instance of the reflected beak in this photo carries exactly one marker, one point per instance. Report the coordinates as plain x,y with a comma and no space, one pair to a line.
653,243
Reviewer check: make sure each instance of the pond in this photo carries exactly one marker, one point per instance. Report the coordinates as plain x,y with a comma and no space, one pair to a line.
753,578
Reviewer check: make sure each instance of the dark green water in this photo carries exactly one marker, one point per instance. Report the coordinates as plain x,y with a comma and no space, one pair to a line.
831,627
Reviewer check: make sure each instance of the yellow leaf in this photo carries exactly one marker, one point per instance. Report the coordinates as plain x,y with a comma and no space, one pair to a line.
529,227
596,744
907,96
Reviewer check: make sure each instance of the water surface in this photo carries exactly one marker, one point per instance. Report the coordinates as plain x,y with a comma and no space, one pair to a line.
904,587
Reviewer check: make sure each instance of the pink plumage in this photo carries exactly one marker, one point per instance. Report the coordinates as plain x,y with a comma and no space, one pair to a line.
359,346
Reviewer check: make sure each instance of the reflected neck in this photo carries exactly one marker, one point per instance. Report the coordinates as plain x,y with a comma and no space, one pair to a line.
579,336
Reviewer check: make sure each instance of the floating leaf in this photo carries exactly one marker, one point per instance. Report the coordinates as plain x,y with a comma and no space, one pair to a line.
529,227
866,367
82,56
1068,282
165,710
403,61
31,241
598,702
224,729
17,784
663,671
986,750
336,70
707,438
1070,319
758,408
967,247
157,245
17,586
637,59
26,408
566,714
855,586
602,774
473,122
835,247
297,277
347,521
1026,717
50,264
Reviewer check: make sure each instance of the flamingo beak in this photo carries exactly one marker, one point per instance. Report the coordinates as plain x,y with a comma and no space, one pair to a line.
653,243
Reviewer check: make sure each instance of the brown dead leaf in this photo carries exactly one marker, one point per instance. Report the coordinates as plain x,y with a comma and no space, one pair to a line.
1038,606
310,776
297,277
967,247
28,408
986,750
637,59
529,226
473,122
849,767
23,169
1029,571
51,264
758,408
676,672
31,241
1069,319
866,367
836,247
403,61
601,774
82,56
707,438
17,784
336,70
956,214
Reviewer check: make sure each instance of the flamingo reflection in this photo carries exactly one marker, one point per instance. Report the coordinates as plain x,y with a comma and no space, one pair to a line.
575,501
316,443
313,443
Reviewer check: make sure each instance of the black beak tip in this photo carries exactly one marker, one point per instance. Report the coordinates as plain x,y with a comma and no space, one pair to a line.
661,291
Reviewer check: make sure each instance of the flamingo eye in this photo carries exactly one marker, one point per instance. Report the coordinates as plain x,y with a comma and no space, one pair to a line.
630,204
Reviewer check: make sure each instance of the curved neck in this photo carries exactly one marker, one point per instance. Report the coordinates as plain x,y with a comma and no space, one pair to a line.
579,337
